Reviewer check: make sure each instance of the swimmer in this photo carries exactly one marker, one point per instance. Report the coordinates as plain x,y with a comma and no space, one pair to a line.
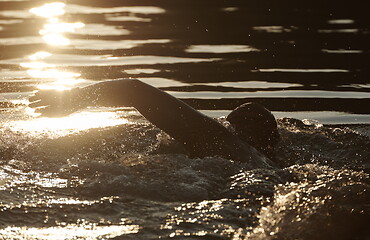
250,138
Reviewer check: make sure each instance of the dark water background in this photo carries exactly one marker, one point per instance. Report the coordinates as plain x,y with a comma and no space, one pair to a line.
107,173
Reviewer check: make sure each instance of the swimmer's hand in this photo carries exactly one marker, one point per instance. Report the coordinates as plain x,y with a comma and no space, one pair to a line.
116,93
56,103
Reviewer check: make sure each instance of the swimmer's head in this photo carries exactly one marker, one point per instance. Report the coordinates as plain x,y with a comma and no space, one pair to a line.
255,125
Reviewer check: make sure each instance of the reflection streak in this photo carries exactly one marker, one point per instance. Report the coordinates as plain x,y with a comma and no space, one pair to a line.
52,73
221,49
113,45
64,60
115,18
39,55
57,127
300,70
37,69
70,231
252,84
341,51
79,9
141,70
52,34
341,21
49,10
273,29
6,22
20,41
348,30
56,26
102,30
272,94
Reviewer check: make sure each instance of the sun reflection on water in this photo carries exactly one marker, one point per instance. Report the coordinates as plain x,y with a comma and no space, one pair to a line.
57,79
39,55
70,231
49,10
52,34
52,73
55,26
53,30
36,65
58,127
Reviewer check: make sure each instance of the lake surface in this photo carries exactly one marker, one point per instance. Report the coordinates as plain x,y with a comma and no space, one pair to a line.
306,60
105,173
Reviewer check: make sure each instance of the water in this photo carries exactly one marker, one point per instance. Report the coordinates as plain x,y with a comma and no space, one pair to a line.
106,173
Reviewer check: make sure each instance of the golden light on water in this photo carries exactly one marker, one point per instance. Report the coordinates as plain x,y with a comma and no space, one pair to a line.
55,26
58,127
53,30
53,34
70,231
36,65
39,55
62,80
49,10
53,73
61,84
56,39
36,61
57,79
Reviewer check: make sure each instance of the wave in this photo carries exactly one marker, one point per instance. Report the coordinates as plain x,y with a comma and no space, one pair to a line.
322,180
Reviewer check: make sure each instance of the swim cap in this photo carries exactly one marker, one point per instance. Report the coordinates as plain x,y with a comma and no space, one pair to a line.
254,124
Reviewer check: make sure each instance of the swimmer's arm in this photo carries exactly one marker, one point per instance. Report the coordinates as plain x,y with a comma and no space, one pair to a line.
170,114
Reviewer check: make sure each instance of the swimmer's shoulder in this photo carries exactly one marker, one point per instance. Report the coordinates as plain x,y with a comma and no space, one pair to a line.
238,150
